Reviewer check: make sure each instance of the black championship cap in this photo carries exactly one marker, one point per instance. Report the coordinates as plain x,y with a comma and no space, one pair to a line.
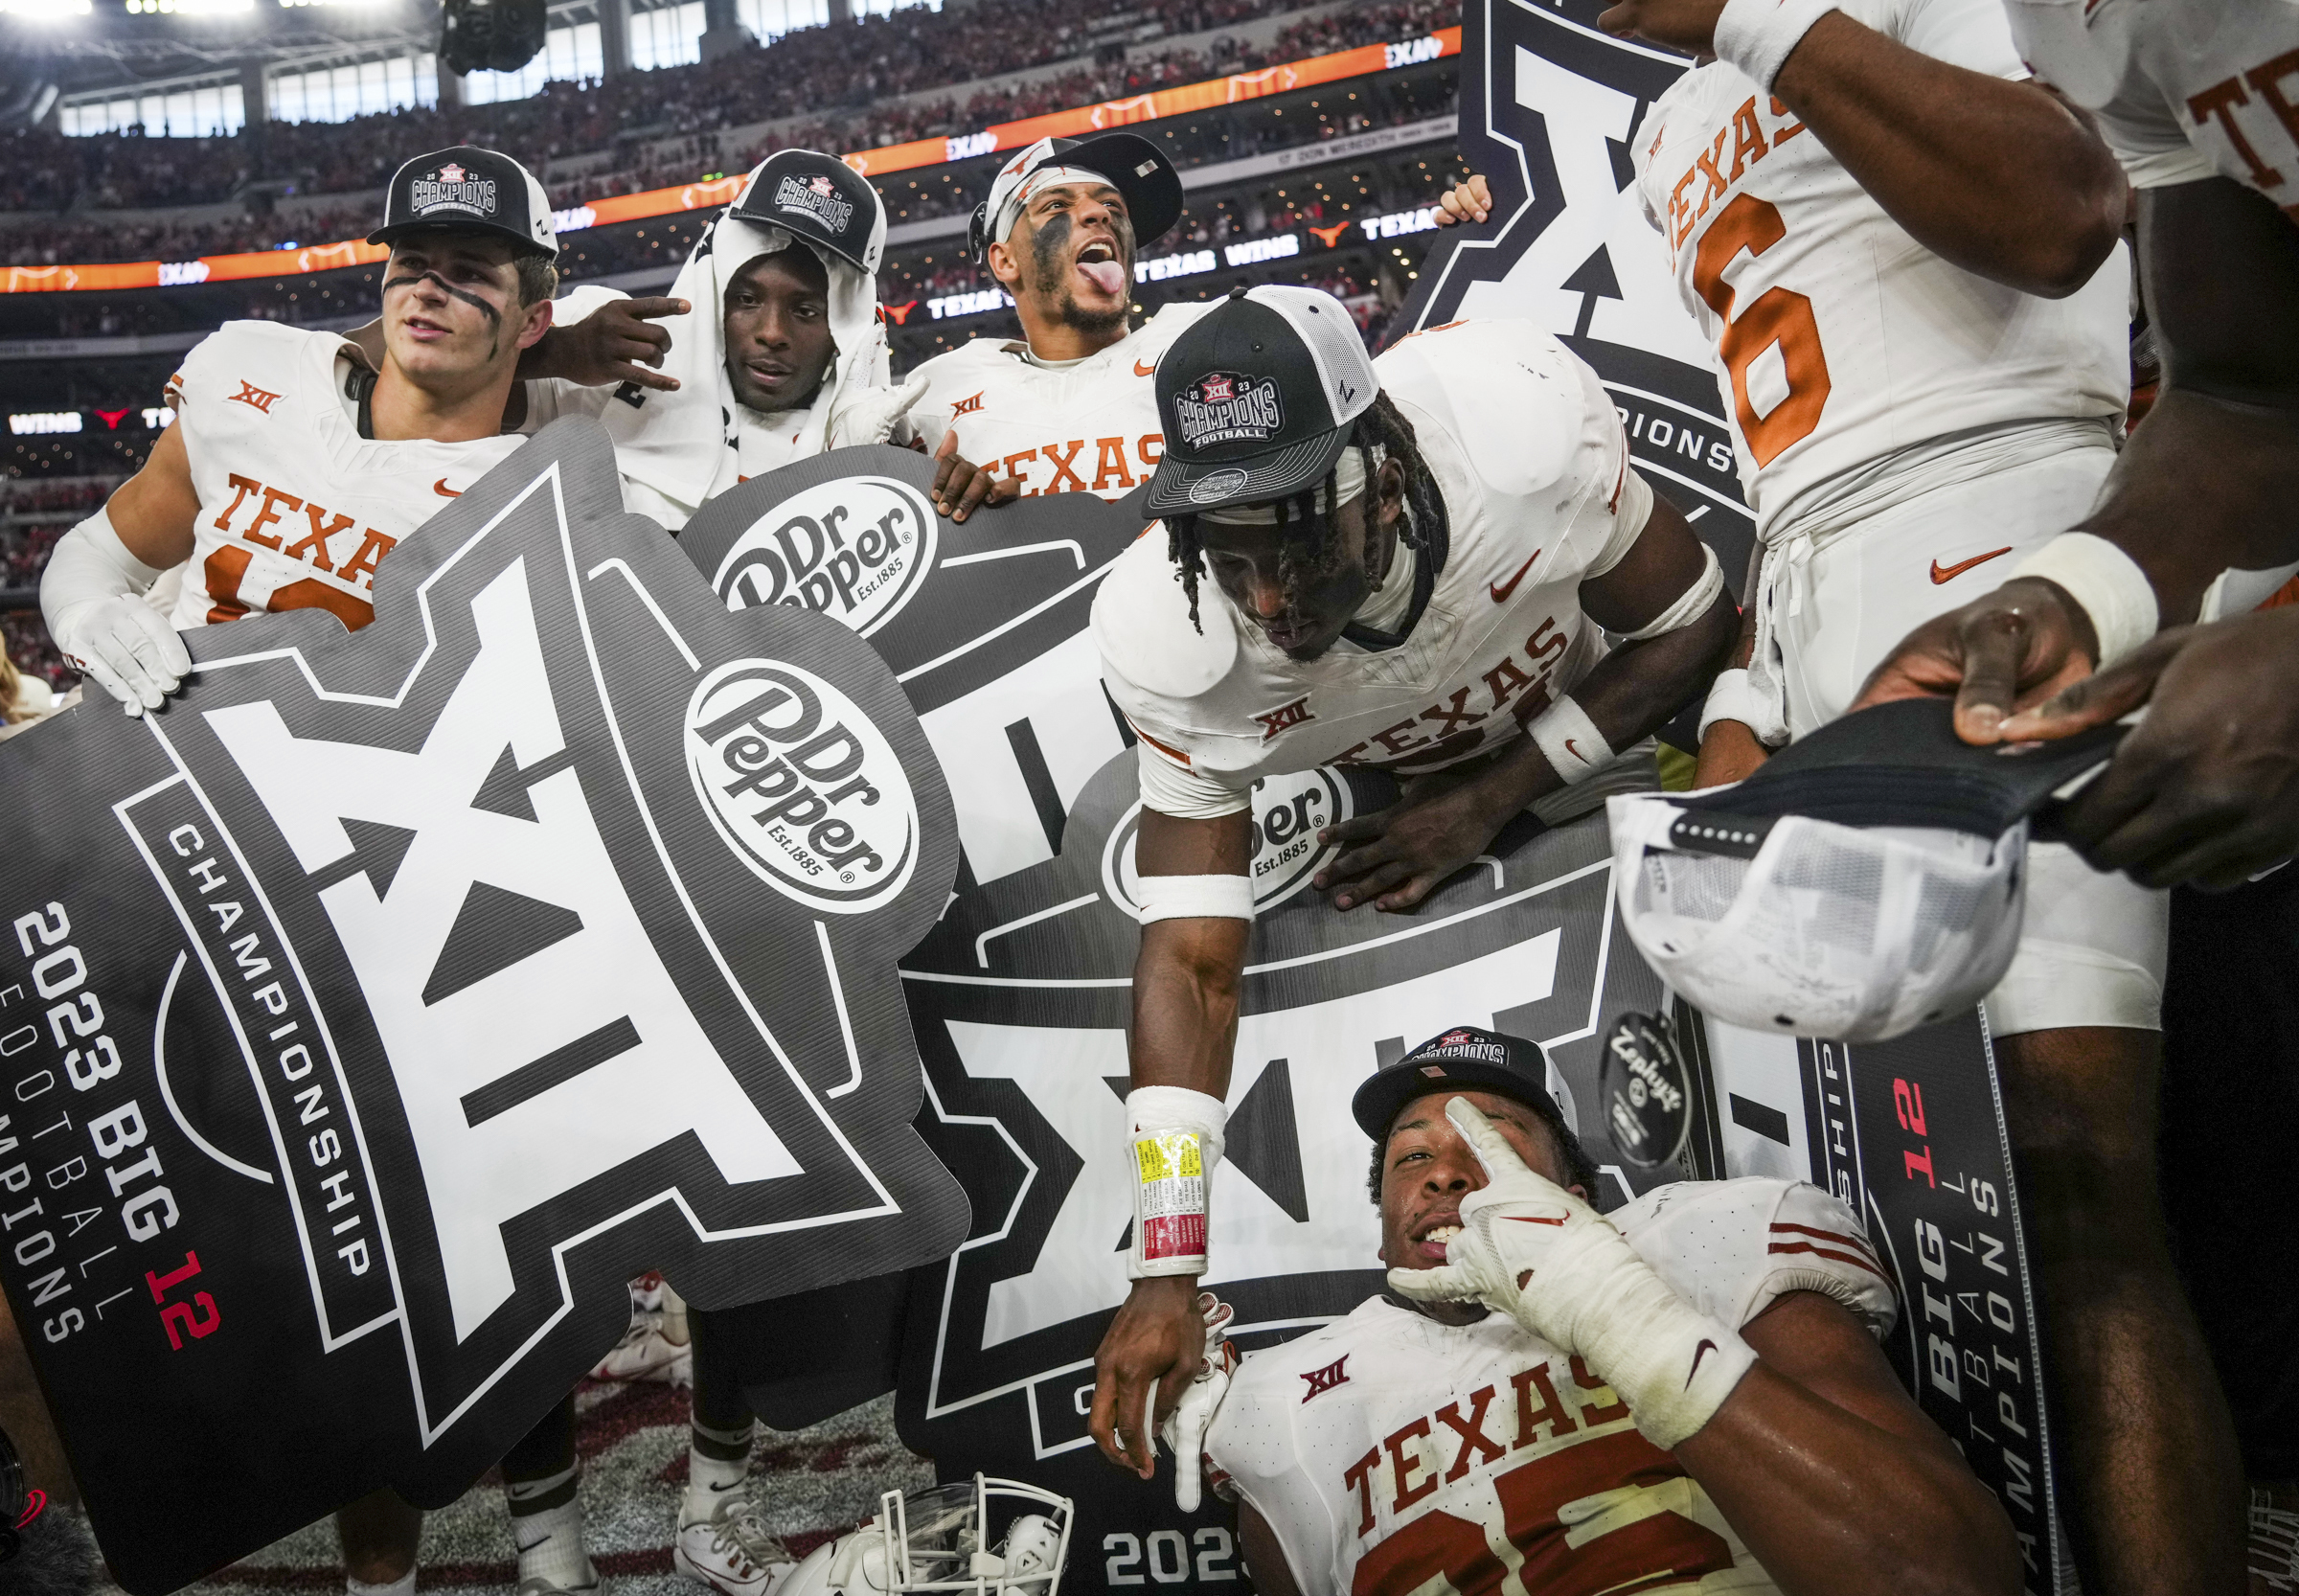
467,190
1464,1059
1257,399
820,198
1129,162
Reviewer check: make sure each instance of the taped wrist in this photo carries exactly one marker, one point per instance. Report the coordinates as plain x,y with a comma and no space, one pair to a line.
2107,581
1758,35
1195,897
1731,699
1695,602
1673,1364
1570,740
1172,1142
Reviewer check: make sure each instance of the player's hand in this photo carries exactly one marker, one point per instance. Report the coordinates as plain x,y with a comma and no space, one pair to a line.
878,414
1397,856
1729,753
620,342
1511,1227
1184,1429
2005,650
1152,1351
2205,789
128,647
1686,25
1469,200
961,486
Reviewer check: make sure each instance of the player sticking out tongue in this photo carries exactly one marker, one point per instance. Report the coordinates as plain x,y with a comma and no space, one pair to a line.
1059,231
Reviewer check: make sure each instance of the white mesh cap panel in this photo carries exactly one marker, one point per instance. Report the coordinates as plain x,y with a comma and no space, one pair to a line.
1343,367
1830,930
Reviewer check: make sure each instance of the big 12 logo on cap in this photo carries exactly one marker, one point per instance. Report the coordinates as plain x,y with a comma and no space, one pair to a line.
1226,407
452,188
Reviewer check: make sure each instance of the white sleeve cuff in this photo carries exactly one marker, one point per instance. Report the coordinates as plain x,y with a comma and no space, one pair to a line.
1690,605
1172,787
1195,897
1758,35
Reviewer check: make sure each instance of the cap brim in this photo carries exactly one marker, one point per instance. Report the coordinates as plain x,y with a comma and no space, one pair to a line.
1380,1096
458,224
1154,199
1182,488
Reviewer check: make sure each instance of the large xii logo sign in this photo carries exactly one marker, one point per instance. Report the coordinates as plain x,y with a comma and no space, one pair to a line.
439,991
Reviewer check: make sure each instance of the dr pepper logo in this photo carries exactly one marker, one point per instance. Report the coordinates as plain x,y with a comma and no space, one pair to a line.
802,786
855,550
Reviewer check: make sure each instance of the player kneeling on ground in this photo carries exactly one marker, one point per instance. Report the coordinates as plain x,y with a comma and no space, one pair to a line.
1415,563
1686,1394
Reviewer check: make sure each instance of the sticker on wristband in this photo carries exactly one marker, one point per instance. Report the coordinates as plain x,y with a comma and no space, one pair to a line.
1171,1198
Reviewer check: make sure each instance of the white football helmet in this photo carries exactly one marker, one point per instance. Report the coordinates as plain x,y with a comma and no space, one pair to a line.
934,1541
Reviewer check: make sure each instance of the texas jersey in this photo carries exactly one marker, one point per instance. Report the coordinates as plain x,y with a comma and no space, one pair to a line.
296,509
1531,464
2183,89
1089,426
1840,340
1389,1452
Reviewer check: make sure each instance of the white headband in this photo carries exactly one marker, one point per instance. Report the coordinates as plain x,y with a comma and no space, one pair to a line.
1037,180
1349,481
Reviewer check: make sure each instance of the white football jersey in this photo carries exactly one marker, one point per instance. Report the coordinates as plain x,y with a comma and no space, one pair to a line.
2183,89
1087,428
1840,338
1529,459
296,509
1388,1453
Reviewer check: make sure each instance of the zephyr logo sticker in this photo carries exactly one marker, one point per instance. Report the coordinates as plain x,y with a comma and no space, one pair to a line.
855,550
1219,485
802,785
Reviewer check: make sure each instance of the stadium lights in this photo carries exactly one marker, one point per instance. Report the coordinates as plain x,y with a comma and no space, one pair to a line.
187,8
44,10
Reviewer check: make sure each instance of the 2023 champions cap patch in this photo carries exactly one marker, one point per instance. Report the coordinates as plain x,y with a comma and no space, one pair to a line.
815,197
452,187
1227,407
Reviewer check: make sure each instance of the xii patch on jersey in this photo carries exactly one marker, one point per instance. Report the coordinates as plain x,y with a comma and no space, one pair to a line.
386,1001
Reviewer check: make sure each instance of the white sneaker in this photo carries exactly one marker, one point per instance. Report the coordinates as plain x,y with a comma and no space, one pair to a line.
731,1551
644,1353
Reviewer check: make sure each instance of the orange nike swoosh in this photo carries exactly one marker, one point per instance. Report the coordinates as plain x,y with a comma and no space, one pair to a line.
1140,369
1575,752
1949,573
1701,1351
1501,590
441,488
1527,1218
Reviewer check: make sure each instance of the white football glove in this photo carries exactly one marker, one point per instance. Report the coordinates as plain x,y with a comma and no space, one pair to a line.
1532,1250
876,414
1184,1430
91,596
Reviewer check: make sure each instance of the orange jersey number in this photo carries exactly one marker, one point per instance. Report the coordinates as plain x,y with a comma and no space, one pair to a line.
1778,316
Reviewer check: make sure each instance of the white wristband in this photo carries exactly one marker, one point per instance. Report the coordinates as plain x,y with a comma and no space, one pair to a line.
1757,36
1695,602
1570,740
1195,897
1730,699
2107,581
1172,1142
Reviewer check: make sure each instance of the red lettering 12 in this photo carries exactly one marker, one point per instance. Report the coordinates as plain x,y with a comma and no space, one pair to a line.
175,1315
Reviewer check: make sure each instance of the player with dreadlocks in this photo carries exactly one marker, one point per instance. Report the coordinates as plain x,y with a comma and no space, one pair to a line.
1416,562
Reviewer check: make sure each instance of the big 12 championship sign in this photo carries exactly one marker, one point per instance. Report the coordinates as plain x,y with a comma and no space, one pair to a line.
373,1011
1909,1133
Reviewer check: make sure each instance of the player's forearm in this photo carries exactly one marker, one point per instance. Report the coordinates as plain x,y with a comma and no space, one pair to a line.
1185,1003
1999,177
1833,1505
1638,686
2204,484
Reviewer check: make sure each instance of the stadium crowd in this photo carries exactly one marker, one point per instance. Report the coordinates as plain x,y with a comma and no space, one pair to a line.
804,72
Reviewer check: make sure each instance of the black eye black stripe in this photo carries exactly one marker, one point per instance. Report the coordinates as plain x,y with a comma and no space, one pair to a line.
492,314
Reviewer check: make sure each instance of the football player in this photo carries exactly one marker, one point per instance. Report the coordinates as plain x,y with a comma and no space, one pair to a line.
783,359
1863,208
1409,564
2196,97
1067,408
1686,1392
295,466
